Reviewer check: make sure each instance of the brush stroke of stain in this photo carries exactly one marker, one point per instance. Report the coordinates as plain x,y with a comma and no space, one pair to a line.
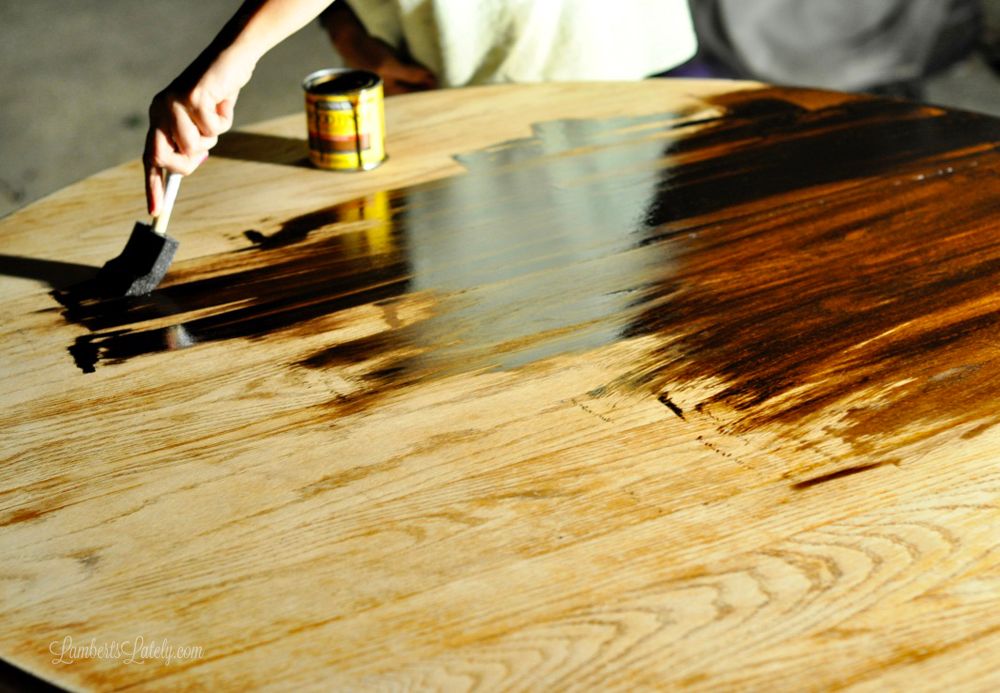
795,247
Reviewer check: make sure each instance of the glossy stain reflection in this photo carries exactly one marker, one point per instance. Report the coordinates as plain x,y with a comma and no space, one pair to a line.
794,246
283,281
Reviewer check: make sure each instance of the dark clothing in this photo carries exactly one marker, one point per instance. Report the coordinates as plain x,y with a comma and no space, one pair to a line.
854,45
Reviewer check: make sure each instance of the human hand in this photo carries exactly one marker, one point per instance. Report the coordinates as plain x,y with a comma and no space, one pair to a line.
399,76
186,118
363,51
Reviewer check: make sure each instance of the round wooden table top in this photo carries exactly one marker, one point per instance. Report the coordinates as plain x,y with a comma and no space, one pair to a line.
591,386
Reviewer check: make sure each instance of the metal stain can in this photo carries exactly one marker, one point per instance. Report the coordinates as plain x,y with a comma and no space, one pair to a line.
346,119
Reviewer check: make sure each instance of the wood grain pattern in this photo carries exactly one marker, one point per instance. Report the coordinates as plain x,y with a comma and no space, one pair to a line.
623,386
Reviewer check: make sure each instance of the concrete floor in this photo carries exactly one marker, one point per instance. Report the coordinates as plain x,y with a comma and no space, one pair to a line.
76,77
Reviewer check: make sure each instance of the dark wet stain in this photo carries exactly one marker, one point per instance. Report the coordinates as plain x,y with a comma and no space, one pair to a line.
840,474
793,246
665,400
253,300
877,265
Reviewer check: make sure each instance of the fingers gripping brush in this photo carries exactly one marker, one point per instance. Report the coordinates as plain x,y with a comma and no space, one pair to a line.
147,254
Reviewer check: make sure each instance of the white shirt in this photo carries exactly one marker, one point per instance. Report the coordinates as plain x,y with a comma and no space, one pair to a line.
486,41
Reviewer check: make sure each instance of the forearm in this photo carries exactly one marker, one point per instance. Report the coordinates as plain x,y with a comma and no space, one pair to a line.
360,50
346,32
186,118
258,26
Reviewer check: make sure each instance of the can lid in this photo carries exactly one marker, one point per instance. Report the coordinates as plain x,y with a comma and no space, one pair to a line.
337,80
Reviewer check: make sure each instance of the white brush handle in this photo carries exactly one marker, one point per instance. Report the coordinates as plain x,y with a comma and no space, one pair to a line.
169,196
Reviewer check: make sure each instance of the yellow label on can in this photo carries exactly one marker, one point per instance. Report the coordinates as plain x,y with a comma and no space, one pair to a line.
346,130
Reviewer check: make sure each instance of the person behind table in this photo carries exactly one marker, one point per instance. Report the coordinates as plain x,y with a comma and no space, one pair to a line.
882,46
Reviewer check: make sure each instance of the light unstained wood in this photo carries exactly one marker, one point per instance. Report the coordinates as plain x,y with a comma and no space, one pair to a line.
507,529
